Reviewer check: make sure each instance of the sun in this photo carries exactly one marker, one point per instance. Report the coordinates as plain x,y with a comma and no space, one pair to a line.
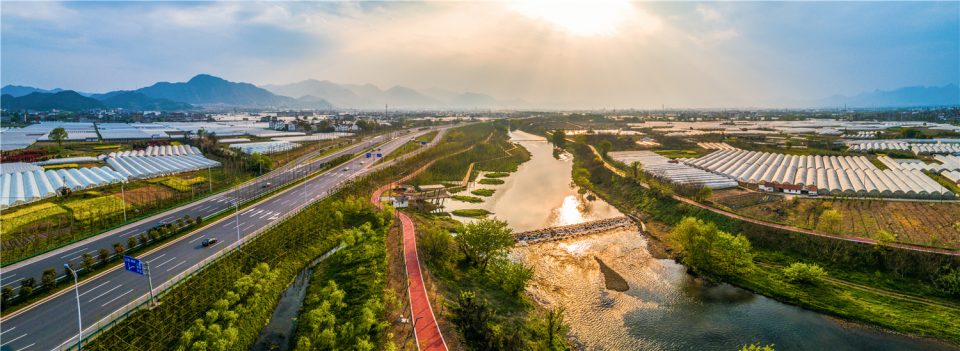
582,18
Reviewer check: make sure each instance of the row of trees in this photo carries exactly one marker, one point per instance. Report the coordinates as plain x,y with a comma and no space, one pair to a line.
29,289
218,329
344,308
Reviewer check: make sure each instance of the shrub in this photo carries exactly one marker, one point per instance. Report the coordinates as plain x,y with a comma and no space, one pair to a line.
483,192
757,347
465,198
131,243
510,276
496,175
437,246
49,278
471,212
103,254
491,181
949,282
799,272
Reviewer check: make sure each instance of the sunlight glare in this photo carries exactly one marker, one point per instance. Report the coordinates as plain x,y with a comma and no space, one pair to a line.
583,18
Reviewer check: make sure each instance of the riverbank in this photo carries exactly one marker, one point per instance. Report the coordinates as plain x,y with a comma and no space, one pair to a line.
861,301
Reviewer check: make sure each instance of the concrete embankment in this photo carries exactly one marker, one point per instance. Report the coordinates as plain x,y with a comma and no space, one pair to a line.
572,231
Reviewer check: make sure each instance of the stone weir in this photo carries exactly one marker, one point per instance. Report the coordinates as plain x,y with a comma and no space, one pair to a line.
572,231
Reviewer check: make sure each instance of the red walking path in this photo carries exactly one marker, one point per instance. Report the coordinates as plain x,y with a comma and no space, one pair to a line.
425,328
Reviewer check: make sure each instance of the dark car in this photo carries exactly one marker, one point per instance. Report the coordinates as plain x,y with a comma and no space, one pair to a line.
208,242
266,185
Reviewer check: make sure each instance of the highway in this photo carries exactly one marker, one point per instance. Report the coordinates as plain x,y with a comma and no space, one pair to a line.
53,322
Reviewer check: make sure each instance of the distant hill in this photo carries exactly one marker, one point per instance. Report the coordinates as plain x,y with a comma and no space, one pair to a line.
130,100
904,97
370,96
22,90
67,100
205,89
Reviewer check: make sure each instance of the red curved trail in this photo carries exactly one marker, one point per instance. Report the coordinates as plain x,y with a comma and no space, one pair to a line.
425,329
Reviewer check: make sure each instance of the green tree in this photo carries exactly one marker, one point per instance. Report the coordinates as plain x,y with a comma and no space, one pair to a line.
949,282
437,246
830,220
131,243
706,249
558,138
49,277
803,273
604,147
87,262
512,277
58,134
484,241
473,317
704,193
5,295
103,254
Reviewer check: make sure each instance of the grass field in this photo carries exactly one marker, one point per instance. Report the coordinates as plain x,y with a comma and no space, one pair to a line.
83,209
30,215
491,181
687,153
471,212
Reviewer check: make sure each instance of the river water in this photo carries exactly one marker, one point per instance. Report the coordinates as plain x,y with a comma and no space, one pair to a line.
664,308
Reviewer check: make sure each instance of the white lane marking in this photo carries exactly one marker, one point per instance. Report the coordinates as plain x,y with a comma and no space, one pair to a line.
176,265
72,253
5,276
265,214
275,217
155,258
107,292
94,288
165,262
26,347
7,331
14,339
115,298
10,283
195,239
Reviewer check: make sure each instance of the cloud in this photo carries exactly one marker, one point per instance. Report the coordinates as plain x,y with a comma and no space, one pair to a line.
648,54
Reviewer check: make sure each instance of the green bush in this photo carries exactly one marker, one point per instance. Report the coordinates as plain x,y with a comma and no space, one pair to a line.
491,181
471,212
483,192
496,174
465,198
803,273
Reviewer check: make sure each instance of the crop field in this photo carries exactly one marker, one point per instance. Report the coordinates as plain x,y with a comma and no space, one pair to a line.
30,215
923,223
180,184
148,194
738,198
100,206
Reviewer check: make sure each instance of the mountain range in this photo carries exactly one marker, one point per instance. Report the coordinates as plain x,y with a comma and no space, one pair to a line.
947,95
204,91
369,96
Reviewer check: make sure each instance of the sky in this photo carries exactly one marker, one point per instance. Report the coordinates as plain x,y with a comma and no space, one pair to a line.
597,54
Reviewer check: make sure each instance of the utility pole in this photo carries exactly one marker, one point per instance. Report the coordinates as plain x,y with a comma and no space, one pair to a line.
236,206
76,289
153,299
124,201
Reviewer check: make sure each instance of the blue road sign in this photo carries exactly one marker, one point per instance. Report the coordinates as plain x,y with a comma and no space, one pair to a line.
379,155
134,265
368,155
423,143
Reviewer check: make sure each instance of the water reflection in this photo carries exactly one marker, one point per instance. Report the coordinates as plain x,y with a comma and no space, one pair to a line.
667,309
540,194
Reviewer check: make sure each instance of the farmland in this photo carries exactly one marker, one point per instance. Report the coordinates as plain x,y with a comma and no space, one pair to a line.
94,207
30,215
923,223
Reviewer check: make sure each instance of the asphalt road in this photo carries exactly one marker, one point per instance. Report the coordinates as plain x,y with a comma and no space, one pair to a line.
53,323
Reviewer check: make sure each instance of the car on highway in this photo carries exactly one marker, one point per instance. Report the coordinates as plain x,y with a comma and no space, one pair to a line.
208,242
266,185
346,169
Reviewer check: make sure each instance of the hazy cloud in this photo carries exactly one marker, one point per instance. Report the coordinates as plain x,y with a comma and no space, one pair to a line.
564,54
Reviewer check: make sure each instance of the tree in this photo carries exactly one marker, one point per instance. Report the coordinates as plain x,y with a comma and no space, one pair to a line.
485,240
58,134
118,249
704,193
5,295
26,286
558,138
437,246
604,147
830,220
87,262
706,249
49,277
802,273
949,281
637,168
472,315
131,243
512,277
104,255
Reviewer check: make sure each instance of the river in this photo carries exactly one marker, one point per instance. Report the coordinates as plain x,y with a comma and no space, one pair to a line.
664,308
